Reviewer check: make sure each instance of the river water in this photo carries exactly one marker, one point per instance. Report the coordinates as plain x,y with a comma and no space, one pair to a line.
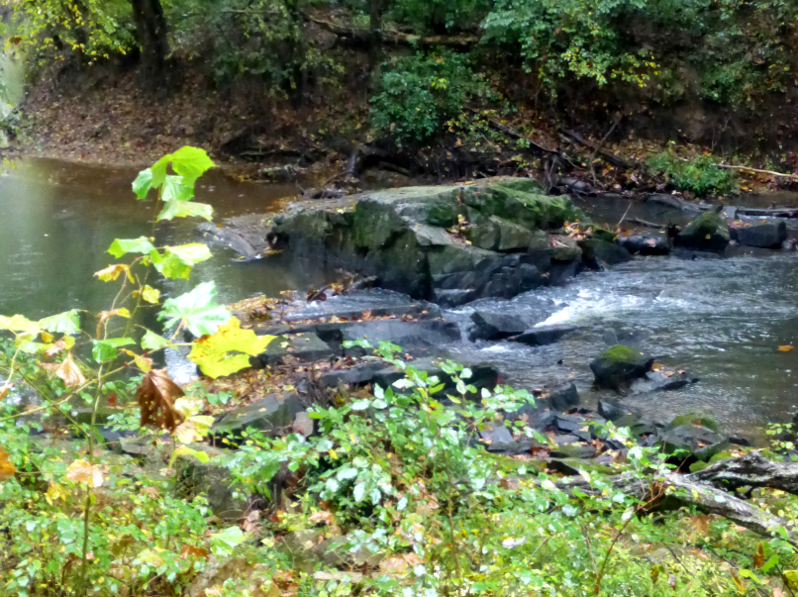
723,320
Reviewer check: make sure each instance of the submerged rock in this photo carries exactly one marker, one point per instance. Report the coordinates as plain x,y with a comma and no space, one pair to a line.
661,381
597,253
495,326
618,366
694,440
645,245
708,232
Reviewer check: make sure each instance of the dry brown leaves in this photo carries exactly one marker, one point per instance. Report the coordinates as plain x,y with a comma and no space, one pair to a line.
67,370
156,396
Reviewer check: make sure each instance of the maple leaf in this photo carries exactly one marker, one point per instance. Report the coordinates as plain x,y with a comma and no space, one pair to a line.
156,396
84,472
228,350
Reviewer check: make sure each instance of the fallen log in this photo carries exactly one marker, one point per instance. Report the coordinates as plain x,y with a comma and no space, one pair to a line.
606,155
395,38
707,490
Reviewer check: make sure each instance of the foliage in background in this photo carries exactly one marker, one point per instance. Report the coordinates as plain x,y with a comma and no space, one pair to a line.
699,175
418,93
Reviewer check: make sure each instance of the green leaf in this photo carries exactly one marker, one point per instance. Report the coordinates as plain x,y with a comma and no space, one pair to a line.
203,457
152,341
185,209
177,262
106,350
64,323
228,350
189,162
196,310
18,323
228,539
121,246
175,189
143,183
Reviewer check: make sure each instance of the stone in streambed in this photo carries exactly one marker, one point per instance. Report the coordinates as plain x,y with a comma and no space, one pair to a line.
597,253
694,440
540,336
271,415
305,347
498,234
495,326
645,245
618,366
659,381
708,232
767,236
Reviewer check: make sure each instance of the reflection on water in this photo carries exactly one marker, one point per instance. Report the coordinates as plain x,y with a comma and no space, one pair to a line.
57,220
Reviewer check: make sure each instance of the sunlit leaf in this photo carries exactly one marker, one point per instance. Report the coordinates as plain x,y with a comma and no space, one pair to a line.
177,262
188,162
228,539
122,246
18,323
112,272
82,471
104,316
149,294
7,469
228,350
175,189
63,323
143,183
203,457
106,350
152,341
142,362
194,429
196,310
183,209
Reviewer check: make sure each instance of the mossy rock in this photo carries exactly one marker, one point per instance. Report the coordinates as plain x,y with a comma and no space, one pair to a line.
498,234
694,418
619,365
700,465
604,234
525,185
526,209
708,232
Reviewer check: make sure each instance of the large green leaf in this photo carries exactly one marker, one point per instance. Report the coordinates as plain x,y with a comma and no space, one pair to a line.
185,209
189,162
152,341
196,310
122,246
177,262
105,350
175,189
63,323
18,323
143,183
228,350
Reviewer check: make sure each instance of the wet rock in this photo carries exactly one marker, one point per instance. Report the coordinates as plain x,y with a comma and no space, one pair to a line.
694,440
407,334
572,466
766,236
449,299
612,411
564,398
598,253
645,245
540,336
305,347
708,232
498,234
661,381
193,477
358,375
498,434
671,201
618,366
495,326
271,415
689,255
565,249
694,418
578,450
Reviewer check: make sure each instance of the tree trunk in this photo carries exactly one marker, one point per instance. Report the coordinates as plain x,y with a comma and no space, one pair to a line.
375,33
151,33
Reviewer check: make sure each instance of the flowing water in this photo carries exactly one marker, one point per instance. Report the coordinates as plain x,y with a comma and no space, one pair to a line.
723,320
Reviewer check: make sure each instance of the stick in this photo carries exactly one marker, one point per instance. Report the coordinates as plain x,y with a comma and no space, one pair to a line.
608,157
757,171
623,217
600,145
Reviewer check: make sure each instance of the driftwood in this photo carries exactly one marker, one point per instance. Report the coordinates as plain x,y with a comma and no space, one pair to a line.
708,490
395,38
758,171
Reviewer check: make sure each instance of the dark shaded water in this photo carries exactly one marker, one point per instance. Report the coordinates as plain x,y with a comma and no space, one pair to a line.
721,319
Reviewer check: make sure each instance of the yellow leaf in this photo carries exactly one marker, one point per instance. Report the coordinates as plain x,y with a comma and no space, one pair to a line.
333,454
149,294
112,272
786,348
142,362
759,556
83,472
228,350
7,469
193,430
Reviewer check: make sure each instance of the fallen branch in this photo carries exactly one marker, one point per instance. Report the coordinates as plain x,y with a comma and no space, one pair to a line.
615,123
393,37
757,171
606,155
648,224
516,135
750,470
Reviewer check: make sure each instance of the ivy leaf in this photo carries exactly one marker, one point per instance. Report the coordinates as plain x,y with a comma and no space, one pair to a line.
175,189
185,209
196,310
106,350
152,341
112,272
143,183
177,262
228,350
122,246
67,323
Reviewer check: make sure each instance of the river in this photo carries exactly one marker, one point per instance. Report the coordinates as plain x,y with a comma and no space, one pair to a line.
723,320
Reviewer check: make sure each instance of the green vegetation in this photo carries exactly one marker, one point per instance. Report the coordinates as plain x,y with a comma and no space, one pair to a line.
700,175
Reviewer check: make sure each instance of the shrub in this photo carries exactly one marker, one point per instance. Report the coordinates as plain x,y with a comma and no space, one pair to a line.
700,176
419,93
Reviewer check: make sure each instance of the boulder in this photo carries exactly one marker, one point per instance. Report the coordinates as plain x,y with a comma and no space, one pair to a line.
564,249
193,477
661,381
495,326
645,245
498,234
540,336
697,441
708,232
597,253
564,398
767,236
305,347
360,374
618,366
613,411
271,415
407,334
